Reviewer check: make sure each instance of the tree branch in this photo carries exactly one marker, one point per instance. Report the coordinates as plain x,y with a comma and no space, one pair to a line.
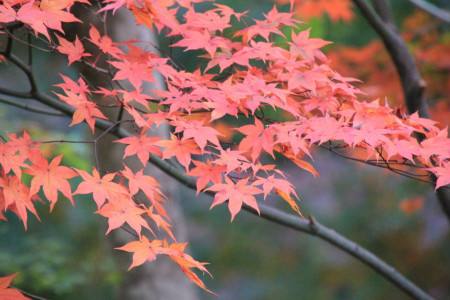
31,296
433,10
412,83
31,108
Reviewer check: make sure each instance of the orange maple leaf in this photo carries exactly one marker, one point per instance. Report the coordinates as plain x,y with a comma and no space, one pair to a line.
180,148
52,178
236,194
142,146
142,251
16,197
122,211
102,188
206,173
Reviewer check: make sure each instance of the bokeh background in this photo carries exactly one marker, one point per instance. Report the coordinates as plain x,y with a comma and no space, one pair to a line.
66,256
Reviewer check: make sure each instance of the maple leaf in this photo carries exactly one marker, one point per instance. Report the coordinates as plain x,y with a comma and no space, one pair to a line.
74,51
101,187
305,46
438,146
124,211
160,222
142,145
7,13
40,19
77,87
16,197
11,158
104,43
142,251
202,39
232,159
443,174
236,194
52,178
187,263
206,173
135,72
282,187
84,109
59,4
148,185
270,183
8,293
182,149
269,25
306,80
201,133
256,139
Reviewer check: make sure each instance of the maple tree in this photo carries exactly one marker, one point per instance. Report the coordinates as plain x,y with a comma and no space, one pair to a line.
266,66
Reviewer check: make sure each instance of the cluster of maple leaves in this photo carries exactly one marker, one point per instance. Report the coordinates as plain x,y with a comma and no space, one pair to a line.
244,74
372,63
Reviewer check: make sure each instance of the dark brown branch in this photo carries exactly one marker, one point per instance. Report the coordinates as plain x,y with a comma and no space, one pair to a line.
433,10
383,10
412,83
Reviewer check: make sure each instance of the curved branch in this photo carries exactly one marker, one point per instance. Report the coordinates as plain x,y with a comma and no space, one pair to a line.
32,109
412,83
274,215
433,10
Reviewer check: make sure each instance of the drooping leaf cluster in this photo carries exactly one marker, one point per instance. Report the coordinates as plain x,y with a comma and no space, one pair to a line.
245,74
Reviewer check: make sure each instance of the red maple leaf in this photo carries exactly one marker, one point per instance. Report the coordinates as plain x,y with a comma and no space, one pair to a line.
84,109
73,50
104,43
40,19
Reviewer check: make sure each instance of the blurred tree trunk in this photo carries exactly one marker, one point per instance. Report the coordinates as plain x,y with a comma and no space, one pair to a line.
162,279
